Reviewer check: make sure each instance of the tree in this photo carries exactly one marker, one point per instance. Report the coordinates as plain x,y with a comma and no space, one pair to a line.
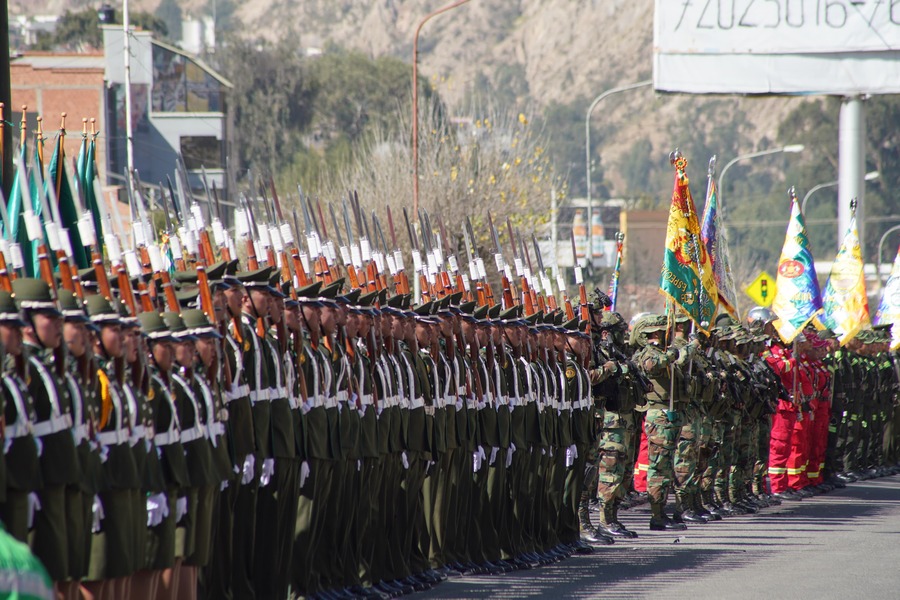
77,31
169,12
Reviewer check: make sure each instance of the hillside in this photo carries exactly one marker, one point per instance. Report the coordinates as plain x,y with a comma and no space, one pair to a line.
532,53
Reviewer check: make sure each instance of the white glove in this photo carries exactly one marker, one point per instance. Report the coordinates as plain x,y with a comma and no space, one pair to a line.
34,505
247,473
98,514
493,459
404,460
304,473
157,509
104,454
40,446
268,469
181,508
509,454
223,486
571,455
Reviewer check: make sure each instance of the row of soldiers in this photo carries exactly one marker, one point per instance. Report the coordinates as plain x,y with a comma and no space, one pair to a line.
333,443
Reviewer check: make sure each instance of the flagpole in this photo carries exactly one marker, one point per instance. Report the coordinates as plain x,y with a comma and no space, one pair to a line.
129,140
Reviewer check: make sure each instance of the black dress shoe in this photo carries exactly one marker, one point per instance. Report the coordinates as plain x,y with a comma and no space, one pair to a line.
666,525
689,516
616,529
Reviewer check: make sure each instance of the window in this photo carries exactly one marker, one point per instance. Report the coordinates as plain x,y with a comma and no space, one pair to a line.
201,151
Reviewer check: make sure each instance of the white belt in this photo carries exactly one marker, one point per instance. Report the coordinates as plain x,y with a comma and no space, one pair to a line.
461,391
20,428
194,433
138,432
513,401
52,425
417,402
316,401
80,433
237,391
502,400
276,393
167,438
294,401
216,429
576,405
366,399
113,438
330,402
393,400
342,396
259,395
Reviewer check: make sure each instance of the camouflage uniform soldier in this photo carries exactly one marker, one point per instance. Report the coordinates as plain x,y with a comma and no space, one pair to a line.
617,385
661,426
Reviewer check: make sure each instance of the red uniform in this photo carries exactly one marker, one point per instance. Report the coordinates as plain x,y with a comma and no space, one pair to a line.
821,415
785,419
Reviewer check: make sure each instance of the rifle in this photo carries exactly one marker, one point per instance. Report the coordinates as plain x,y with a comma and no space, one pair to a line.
300,265
474,273
401,281
461,284
417,259
153,252
169,233
501,265
537,299
380,253
582,292
488,291
252,261
344,249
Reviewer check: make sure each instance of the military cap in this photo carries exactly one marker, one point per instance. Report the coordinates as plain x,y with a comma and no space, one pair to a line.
681,318
468,307
534,318
88,278
309,291
454,299
124,316
511,314
423,310
154,326
187,295
230,277
351,297
725,320
828,334
558,318
494,311
653,323
215,275
34,295
395,301
864,336
367,299
275,285
571,324
177,327
382,297
189,276
101,311
9,312
256,279
480,312
333,289
582,325
611,320
198,324
72,309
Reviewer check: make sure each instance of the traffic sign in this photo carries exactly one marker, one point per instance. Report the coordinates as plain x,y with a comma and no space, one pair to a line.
762,290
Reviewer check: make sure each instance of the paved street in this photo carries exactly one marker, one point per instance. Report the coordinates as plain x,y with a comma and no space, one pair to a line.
840,545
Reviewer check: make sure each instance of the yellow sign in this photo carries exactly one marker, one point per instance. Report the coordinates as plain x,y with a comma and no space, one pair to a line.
762,290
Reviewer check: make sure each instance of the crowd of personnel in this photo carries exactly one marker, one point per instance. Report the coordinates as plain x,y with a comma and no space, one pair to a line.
328,442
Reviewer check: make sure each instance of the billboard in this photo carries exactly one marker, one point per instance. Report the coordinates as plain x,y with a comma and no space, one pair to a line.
777,46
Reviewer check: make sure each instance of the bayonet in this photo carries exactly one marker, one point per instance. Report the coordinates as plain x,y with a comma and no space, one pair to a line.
178,218
337,229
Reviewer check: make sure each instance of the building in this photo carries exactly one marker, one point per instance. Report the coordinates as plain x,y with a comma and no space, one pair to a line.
179,107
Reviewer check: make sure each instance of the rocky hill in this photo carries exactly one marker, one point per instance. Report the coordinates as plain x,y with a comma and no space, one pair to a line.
537,51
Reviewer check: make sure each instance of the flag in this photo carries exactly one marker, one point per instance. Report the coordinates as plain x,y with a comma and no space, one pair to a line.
715,239
68,212
614,280
798,298
687,275
845,302
87,169
889,307
14,204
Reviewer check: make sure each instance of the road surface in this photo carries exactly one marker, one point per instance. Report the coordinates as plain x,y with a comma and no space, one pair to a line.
844,544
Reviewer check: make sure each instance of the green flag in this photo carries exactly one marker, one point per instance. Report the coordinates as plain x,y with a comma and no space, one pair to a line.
87,169
68,212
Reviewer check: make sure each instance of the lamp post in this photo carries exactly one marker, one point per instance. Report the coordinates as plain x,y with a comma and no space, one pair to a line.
880,246
415,101
870,176
587,154
790,149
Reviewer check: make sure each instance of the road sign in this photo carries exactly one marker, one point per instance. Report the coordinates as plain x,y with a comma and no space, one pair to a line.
762,290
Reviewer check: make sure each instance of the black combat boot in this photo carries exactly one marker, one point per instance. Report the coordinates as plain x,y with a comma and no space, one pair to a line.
609,525
588,533
660,522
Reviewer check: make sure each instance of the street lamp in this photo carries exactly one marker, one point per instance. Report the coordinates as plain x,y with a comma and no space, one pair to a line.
880,246
587,155
790,149
870,176
415,101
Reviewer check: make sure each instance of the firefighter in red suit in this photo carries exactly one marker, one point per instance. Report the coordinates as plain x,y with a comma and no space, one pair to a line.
784,421
821,410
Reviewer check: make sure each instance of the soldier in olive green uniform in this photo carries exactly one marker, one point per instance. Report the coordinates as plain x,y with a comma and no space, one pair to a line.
660,425
54,522
23,475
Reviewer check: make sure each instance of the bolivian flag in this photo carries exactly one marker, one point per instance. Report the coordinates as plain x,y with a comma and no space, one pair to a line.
798,298
687,275
845,302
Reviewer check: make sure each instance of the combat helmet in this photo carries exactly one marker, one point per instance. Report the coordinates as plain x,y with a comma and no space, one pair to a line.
646,325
